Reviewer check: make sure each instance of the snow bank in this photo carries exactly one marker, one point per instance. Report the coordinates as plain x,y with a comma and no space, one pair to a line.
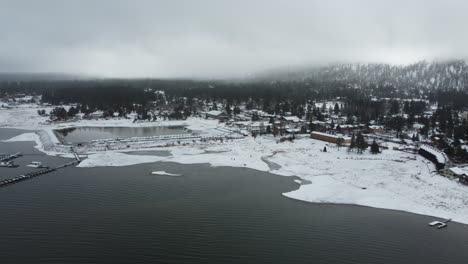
24,137
116,159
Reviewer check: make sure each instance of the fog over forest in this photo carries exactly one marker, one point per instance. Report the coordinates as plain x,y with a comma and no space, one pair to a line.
223,39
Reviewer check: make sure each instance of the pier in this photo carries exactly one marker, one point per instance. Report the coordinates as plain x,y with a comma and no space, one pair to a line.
10,157
31,175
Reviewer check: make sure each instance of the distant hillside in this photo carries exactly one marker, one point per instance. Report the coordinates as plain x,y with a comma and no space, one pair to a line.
432,75
21,77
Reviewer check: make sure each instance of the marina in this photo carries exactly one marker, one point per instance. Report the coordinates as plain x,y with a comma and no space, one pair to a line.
6,162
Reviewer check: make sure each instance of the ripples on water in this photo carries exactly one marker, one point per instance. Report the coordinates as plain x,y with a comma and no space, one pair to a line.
209,215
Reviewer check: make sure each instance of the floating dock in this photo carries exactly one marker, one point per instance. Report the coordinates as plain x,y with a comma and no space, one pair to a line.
24,177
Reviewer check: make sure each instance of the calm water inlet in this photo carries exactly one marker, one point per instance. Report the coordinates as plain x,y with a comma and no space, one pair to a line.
87,134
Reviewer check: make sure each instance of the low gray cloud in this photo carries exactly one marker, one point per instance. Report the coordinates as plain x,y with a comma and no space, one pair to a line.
217,38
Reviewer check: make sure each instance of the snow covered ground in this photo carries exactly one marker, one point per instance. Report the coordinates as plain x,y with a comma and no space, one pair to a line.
391,180
26,117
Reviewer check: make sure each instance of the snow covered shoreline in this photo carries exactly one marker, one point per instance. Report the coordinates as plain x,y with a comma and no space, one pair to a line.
392,180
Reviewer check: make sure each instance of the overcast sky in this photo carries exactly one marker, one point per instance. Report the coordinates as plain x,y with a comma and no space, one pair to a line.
216,38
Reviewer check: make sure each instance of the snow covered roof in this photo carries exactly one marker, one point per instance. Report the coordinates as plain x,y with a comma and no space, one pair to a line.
459,171
293,130
441,158
330,135
98,112
242,123
214,113
292,118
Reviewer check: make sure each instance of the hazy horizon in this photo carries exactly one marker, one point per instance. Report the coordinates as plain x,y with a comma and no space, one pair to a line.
223,39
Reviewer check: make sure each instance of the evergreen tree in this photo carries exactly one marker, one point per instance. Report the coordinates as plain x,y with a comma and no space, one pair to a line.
311,126
237,110
361,143
352,145
395,107
375,148
337,109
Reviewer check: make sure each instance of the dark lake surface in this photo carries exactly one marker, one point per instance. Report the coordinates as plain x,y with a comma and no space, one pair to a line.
86,134
208,215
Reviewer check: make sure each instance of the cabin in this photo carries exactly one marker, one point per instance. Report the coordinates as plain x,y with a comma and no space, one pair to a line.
460,173
434,155
330,138
291,120
376,129
214,114
96,115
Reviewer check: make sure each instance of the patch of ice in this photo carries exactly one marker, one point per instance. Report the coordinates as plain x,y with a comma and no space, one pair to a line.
116,159
165,173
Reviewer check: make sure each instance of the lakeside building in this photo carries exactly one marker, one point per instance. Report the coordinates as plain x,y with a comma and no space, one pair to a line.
330,138
436,156
221,116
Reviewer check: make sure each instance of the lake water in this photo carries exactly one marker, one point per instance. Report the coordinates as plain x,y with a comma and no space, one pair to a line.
87,134
208,215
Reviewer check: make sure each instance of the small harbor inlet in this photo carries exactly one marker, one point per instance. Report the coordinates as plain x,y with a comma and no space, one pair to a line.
77,135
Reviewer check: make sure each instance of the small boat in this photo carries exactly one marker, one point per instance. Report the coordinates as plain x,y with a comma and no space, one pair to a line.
8,164
36,164
439,224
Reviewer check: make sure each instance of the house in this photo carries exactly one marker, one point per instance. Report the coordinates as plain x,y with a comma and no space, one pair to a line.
330,138
319,125
241,124
96,115
257,128
290,120
348,129
460,173
376,129
215,114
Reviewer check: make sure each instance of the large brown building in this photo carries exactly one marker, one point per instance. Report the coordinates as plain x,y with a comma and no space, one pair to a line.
330,138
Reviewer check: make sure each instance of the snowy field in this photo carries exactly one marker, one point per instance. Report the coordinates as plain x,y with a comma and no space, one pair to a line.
392,180
26,117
